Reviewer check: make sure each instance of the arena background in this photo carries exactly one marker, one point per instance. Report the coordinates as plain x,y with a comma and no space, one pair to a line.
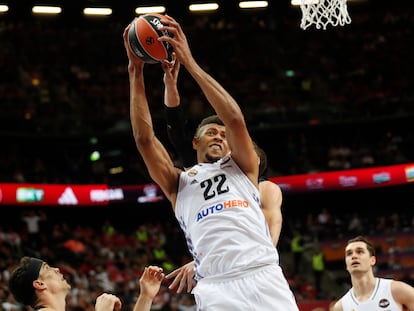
314,100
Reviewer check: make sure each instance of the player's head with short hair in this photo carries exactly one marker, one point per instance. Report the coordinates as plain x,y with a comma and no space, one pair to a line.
22,278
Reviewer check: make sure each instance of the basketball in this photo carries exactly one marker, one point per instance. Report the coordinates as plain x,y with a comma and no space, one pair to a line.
143,39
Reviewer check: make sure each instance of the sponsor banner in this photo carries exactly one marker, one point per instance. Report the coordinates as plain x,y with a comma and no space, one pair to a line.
101,194
409,173
56,194
106,195
143,193
382,176
73,195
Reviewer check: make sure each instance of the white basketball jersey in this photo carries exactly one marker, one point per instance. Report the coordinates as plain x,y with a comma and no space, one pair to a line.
218,209
380,300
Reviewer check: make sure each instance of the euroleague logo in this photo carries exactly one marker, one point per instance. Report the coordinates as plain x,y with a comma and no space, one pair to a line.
149,40
383,303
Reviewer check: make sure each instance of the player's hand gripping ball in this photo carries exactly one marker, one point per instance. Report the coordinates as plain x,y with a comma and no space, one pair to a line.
143,39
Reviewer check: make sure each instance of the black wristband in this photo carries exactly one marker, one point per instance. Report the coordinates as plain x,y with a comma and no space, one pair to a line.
174,115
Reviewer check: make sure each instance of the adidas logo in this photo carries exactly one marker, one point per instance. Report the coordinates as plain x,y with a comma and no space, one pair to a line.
68,197
194,182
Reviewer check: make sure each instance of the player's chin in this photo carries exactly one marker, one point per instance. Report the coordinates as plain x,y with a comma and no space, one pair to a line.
213,157
354,269
68,286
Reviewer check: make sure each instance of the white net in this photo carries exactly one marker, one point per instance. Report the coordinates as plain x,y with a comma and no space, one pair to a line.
323,12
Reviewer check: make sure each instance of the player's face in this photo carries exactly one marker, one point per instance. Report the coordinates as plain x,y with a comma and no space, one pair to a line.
53,279
357,258
211,144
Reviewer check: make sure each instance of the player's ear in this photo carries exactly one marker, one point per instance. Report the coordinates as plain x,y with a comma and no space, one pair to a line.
38,284
373,260
195,142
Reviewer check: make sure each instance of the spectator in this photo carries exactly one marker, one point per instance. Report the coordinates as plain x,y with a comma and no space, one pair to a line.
297,248
33,221
318,268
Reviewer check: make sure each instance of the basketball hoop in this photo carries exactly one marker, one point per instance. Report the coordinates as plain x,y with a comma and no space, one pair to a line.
323,12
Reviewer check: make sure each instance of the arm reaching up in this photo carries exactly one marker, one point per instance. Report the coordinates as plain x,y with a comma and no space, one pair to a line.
154,154
150,283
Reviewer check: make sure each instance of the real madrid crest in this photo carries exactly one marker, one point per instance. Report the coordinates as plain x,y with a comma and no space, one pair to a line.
192,172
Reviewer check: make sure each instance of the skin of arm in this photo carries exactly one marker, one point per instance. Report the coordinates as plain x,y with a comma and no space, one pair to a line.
271,202
150,283
225,106
171,70
403,294
156,158
337,306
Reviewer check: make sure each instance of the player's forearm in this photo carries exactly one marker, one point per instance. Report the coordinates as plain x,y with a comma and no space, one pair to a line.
143,303
141,121
171,97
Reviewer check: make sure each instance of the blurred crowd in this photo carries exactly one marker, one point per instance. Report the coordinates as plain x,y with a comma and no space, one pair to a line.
96,258
108,252
314,100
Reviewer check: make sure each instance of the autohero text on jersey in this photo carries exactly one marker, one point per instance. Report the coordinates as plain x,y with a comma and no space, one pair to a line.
221,206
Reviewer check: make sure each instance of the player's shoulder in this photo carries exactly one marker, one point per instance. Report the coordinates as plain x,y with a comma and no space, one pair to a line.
267,184
400,287
336,305
403,293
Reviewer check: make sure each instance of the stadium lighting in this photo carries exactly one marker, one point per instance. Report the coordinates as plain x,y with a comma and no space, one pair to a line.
203,7
3,8
253,4
150,9
39,9
116,170
97,11
95,156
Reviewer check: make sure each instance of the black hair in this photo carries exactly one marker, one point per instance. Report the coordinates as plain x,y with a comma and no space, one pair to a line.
21,280
208,120
263,159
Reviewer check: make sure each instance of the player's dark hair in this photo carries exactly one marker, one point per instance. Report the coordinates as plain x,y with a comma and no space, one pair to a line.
21,280
360,238
208,120
263,159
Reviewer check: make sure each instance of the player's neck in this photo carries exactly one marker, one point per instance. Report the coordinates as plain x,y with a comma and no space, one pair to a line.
363,285
52,301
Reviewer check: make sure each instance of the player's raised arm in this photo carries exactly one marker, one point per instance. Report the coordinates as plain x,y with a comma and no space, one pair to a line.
155,156
226,107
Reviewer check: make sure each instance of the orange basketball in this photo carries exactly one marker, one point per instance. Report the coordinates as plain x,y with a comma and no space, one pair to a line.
143,39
